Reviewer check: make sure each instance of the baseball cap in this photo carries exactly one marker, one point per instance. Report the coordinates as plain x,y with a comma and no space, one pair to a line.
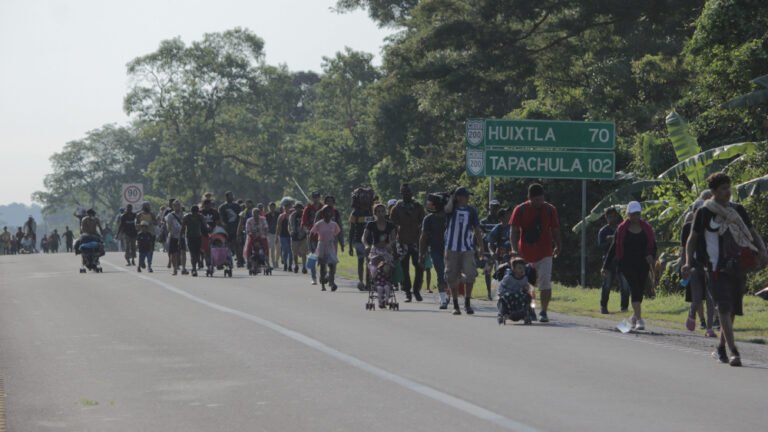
462,191
634,207
494,203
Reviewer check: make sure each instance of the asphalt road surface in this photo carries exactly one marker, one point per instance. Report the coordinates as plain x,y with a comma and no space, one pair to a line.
121,351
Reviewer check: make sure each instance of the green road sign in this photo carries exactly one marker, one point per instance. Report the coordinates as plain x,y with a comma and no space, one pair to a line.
581,165
540,134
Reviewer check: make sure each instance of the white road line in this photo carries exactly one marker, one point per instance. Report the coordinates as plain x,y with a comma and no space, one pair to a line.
421,389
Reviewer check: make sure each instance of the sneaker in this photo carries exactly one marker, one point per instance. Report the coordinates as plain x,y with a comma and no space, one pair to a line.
469,310
194,273
150,270
703,325
543,317
417,296
457,311
128,264
138,269
314,281
710,334
532,315
303,270
690,324
604,310
444,305
735,359
185,272
360,286
334,287
640,325
721,355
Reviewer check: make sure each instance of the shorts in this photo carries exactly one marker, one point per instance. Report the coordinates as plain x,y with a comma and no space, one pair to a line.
359,249
543,273
728,291
173,245
457,263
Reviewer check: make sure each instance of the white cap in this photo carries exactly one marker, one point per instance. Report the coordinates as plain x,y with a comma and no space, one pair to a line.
634,207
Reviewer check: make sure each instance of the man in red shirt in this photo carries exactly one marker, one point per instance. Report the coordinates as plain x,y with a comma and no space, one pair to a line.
535,230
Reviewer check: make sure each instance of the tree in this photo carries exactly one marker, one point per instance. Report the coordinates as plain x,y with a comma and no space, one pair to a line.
184,90
90,172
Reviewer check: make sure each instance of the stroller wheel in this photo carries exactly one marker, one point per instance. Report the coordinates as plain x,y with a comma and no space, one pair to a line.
82,270
501,320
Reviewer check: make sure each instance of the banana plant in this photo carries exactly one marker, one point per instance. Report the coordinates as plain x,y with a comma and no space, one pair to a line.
698,164
684,144
618,198
752,187
754,98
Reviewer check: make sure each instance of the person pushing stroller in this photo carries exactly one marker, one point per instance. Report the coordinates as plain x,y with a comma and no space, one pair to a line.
517,280
379,237
257,230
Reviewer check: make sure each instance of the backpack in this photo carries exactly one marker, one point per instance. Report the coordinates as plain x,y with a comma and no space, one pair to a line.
532,234
297,233
362,199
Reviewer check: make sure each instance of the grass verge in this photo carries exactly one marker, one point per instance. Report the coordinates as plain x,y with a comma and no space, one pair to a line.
669,311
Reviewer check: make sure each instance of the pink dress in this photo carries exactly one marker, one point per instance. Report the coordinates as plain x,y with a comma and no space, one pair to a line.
326,236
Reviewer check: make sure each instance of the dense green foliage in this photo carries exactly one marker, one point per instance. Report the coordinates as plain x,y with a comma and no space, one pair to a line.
212,115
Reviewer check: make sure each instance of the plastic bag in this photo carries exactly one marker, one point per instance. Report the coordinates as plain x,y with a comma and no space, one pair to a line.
398,276
312,261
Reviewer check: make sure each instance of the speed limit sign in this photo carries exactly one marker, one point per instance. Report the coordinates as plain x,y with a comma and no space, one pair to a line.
133,193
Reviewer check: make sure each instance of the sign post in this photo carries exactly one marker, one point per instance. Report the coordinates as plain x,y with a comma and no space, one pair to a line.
133,194
543,149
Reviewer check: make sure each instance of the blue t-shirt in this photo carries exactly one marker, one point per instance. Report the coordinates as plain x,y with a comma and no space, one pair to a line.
460,230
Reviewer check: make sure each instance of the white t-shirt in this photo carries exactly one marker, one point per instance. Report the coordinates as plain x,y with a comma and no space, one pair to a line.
173,222
712,240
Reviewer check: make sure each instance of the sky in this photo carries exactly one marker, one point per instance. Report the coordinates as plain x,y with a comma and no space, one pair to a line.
62,62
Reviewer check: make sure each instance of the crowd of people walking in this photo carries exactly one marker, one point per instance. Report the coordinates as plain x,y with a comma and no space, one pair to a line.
398,243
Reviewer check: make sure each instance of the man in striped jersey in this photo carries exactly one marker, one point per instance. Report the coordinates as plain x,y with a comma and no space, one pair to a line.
463,240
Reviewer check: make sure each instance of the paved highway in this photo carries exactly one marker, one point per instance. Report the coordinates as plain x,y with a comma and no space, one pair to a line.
122,351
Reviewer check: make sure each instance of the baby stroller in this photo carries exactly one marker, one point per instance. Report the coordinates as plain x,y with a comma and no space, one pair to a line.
257,261
381,268
516,304
91,248
221,256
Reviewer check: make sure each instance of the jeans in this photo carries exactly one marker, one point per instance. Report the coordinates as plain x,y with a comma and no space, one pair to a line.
194,246
285,251
130,247
412,255
612,274
438,261
145,256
